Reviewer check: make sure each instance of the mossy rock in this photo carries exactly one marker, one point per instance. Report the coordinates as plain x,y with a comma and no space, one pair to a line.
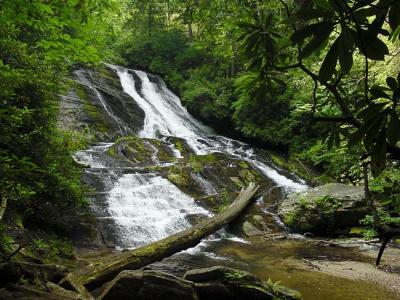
141,151
210,283
330,209
100,103
180,175
225,173
310,173
181,145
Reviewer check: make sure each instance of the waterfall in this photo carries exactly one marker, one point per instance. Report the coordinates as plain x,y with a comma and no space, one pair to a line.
147,208
144,207
165,115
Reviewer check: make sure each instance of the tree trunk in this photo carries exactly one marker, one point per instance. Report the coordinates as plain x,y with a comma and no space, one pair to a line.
190,32
105,269
150,17
3,206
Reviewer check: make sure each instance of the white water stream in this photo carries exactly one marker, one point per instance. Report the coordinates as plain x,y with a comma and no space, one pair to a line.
165,115
147,207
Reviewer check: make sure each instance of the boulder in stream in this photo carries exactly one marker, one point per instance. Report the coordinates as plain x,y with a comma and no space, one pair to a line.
217,282
329,209
231,284
148,285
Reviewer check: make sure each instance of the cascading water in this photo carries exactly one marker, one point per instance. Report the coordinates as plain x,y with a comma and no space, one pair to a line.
144,207
148,208
165,115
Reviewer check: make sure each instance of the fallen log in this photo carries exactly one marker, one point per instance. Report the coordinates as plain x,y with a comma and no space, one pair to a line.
105,269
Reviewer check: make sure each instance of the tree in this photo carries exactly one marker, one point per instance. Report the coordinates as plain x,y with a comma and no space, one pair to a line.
41,41
338,29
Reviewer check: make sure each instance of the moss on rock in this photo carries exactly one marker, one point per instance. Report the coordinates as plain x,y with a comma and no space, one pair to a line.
329,209
301,169
141,151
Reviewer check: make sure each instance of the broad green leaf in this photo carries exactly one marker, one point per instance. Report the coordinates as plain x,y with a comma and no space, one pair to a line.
337,138
330,141
345,48
393,130
357,136
378,92
371,46
378,156
370,111
375,127
395,34
394,15
318,42
329,65
392,83
318,29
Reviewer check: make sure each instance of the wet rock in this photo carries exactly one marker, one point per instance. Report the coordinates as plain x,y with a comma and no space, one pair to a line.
141,151
148,285
179,144
213,290
214,179
329,209
219,273
262,224
180,176
250,230
226,283
97,107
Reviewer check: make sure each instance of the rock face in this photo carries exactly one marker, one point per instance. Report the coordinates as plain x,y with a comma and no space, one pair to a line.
97,106
218,282
329,209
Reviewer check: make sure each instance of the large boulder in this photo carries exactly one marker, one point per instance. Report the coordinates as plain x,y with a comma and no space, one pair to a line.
231,284
328,209
148,285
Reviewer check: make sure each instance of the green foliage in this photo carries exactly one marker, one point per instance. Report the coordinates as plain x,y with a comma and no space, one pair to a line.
335,30
340,162
164,52
225,198
386,189
52,250
41,42
6,243
234,275
195,164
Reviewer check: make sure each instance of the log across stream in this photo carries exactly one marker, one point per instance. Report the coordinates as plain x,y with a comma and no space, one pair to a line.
94,275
